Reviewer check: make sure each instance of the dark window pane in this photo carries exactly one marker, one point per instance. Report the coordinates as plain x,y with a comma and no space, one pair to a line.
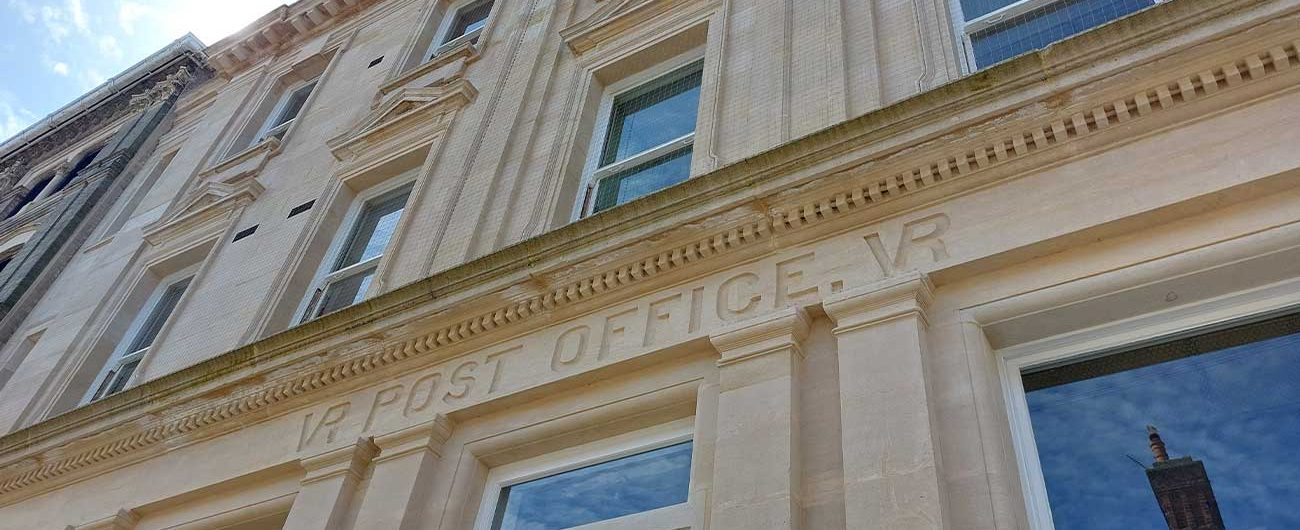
469,19
293,105
346,292
646,178
629,485
652,115
158,316
120,379
973,9
1227,406
1041,27
373,229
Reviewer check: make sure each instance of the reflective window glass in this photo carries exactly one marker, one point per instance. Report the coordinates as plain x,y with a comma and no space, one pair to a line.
644,179
469,19
1225,414
652,115
628,485
1041,27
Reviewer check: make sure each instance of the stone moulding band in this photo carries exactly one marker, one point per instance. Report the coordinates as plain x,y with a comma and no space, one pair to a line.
1163,97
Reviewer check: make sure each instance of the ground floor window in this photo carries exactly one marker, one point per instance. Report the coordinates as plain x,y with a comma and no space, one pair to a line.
641,484
1194,433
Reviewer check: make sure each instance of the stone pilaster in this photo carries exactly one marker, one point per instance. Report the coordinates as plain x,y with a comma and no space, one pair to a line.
756,469
891,467
329,486
403,475
11,201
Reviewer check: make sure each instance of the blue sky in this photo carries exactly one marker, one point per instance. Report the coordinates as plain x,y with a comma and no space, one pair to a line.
52,51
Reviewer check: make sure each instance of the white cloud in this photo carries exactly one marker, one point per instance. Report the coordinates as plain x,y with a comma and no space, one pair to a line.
128,13
13,117
55,21
24,9
77,13
108,46
60,68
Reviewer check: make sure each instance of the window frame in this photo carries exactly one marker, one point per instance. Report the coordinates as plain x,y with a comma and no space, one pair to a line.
592,171
325,276
592,453
120,357
440,42
983,22
1196,319
266,131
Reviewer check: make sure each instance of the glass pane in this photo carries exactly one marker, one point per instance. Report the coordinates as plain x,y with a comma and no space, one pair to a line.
973,9
158,315
293,105
345,292
373,228
469,19
650,116
629,485
121,377
644,179
1041,27
1227,409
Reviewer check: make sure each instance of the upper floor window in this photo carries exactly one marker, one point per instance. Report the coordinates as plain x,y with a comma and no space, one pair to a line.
285,112
996,30
356,259
465,23
144,330
641,484
646,137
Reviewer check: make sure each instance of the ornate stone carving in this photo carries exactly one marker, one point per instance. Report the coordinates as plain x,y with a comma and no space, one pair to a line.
162,90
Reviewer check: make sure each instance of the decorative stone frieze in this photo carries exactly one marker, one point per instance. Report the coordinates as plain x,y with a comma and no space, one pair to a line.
848,192
279,30
162,90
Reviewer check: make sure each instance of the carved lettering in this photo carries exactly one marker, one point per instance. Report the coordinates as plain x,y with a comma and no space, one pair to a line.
792,287
422,393
570,347
384,398
925,233
738,296
615,334
462,381
659,320
328,425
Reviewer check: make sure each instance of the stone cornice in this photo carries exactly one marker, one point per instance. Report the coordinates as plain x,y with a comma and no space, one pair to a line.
281,28
843,192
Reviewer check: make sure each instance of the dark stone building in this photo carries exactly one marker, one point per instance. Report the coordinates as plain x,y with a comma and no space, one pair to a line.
1183,489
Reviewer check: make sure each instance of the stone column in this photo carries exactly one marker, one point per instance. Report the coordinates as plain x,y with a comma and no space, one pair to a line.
60,174
328,487
402,476
756,468
11,201
891,467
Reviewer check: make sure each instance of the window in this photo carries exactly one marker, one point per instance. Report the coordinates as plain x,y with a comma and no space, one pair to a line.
76,170
467,22
647,134
996,30
1193,433
141,335
284,113
638,484
358,256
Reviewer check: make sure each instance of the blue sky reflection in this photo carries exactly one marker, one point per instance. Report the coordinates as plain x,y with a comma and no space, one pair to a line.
629,485
1237,410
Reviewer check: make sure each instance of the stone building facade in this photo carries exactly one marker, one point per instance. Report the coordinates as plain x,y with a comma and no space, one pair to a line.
733,264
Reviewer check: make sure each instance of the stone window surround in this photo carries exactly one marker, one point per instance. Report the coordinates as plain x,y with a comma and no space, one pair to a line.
119,355
426,45
344,229
604,450
274,89
599,123
1244,302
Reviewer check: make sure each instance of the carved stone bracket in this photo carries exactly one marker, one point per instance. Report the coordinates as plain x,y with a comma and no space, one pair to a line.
162,90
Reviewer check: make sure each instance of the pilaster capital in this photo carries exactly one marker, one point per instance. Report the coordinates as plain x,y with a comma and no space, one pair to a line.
122,520
775,332
887,299
348,461
428,436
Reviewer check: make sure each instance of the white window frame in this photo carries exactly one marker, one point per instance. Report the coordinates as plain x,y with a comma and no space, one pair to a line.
592,171
988,20
677,516
120,356
266,130
1196,319
324,277
440,41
